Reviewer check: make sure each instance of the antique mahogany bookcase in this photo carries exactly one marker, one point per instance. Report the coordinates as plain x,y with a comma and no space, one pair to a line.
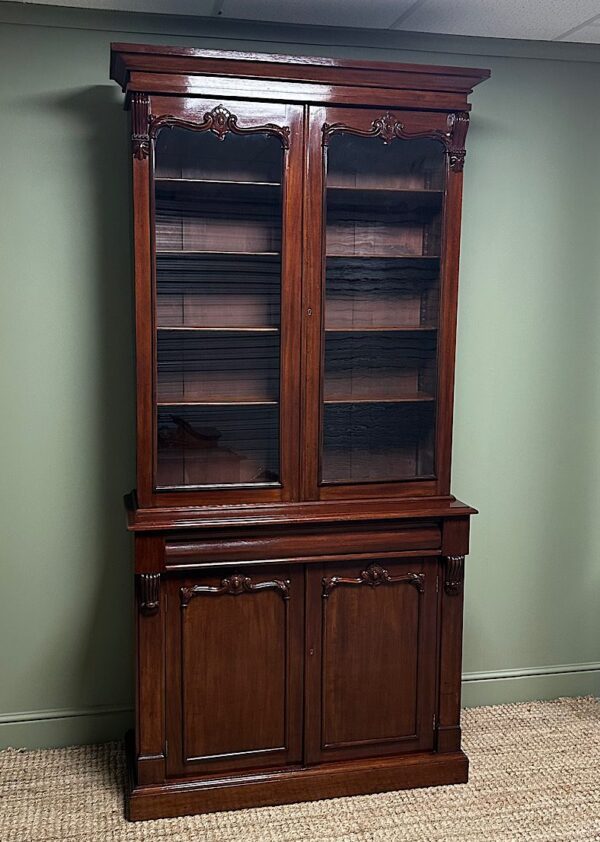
298,554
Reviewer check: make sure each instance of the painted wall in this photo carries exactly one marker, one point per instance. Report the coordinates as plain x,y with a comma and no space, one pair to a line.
526,442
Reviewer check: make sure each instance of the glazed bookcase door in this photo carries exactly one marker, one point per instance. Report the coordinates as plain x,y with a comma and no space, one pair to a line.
224,193
371,670
377,288
234,670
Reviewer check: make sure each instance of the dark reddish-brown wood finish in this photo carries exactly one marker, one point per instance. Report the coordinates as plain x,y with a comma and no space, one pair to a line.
370,624
301,640
234,670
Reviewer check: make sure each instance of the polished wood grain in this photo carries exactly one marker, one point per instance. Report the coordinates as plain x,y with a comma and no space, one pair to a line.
129,61
308,542
341,512
327,780
354,447
455,546
299,557
371,665
150,684
144,300
447,334
226,633
227,468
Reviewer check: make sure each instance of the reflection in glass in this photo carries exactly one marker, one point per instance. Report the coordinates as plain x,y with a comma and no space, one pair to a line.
384,215
218,208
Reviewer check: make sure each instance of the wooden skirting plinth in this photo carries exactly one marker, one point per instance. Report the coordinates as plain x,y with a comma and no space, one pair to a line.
180,798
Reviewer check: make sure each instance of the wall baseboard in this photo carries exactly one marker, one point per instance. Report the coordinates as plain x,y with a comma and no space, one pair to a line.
78,726
524,685
64,726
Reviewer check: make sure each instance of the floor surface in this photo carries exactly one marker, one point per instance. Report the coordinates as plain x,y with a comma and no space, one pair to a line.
535,775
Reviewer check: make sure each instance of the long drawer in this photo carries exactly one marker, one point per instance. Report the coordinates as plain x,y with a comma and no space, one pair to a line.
190,549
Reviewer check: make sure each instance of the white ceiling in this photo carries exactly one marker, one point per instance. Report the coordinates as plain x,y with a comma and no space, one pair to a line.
544,20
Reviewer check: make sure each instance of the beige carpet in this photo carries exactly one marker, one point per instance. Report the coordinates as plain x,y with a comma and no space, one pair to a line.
535,775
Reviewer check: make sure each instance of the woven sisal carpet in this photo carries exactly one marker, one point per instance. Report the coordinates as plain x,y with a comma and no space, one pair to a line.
535,775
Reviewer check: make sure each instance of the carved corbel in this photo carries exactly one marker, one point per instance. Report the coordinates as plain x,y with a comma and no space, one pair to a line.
149,592
140,119
458,125
454,574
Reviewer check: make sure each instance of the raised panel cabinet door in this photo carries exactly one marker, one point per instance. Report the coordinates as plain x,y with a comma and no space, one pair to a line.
234,670
380,275
371,658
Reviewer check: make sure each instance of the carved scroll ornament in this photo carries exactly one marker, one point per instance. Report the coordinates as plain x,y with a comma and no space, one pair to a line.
374,575
220,121
454,574
389,128
234,586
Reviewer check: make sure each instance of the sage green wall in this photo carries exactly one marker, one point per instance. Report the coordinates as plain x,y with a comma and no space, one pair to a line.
526,442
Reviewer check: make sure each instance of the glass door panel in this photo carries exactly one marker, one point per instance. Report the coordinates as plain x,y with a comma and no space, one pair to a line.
218,231
384,207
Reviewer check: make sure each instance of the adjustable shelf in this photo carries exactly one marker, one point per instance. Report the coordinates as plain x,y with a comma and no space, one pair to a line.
380,256
409,398
398,191
216,403
378,199
211,253
216,329
169,179
381,329
218,191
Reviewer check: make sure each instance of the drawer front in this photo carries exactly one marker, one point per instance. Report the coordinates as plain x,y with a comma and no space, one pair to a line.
194,550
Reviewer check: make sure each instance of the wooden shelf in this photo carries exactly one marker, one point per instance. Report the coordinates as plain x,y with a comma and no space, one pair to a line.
356,188
416,397
218,190
216,403
382,329
167,179
352,256
378,198
211,253
218,329
364,465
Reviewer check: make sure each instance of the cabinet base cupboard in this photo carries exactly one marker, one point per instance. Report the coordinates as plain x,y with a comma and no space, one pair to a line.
298,554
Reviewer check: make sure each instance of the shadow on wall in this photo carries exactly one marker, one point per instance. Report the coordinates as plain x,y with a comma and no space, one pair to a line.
102,675
110,628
